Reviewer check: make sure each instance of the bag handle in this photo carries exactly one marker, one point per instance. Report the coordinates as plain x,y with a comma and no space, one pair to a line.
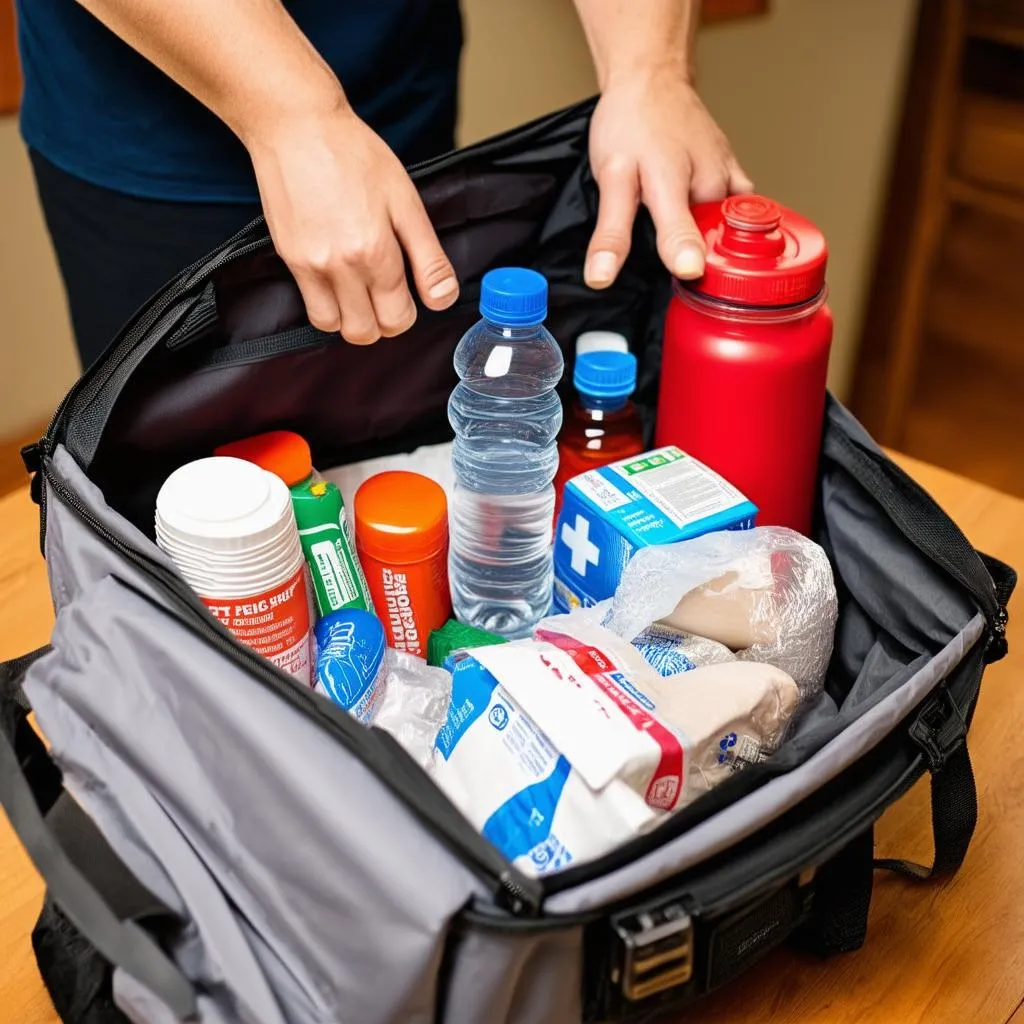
44,818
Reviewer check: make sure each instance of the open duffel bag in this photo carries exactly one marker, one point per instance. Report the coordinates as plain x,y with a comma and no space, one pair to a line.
240,849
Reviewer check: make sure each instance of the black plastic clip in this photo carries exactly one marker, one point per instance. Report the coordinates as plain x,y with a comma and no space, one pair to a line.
996,646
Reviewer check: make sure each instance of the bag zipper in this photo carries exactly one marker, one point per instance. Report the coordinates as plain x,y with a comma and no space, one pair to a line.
111,367
514,891
726,895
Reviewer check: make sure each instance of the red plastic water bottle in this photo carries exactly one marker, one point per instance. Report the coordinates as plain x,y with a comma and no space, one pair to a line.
745,356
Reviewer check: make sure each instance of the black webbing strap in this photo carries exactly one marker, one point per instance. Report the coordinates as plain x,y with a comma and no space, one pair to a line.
95,858
29,789
842,899
941,733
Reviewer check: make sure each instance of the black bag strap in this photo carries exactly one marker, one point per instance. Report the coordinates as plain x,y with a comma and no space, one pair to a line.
941,732
95,889
842,899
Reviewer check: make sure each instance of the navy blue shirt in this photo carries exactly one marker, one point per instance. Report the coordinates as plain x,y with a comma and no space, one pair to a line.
98,110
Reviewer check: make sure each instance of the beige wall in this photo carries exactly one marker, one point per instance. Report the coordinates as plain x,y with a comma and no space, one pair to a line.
809,96
37,357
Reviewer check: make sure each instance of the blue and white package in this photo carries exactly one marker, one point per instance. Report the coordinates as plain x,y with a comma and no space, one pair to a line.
670,652
514,785
350,666
608,514
560,748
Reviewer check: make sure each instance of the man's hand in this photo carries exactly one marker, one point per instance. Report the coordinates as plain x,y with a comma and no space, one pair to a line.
341,210
652,141
340,207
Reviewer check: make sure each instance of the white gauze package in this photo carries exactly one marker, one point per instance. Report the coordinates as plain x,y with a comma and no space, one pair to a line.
563,747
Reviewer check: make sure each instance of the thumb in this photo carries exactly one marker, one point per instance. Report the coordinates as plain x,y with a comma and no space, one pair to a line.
619,187
680,243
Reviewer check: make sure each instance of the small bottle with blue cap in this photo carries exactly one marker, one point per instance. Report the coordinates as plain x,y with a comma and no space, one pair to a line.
506,416
603,425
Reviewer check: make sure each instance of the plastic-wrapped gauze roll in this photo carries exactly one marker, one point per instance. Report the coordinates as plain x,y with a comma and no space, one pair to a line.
767,594
671,652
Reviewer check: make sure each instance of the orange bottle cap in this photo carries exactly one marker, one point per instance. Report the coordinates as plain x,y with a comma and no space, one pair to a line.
281,452
400,517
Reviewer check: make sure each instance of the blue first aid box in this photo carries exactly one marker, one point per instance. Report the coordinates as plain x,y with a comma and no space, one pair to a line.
609,513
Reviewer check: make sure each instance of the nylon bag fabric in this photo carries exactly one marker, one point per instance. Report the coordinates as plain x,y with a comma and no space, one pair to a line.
304,868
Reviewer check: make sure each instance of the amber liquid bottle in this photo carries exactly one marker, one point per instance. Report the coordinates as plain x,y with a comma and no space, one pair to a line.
603,425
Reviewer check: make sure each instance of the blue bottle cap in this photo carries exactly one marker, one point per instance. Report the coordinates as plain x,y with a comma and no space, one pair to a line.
605,374
514,297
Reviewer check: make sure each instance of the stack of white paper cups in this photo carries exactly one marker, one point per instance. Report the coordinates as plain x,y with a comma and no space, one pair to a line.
230,529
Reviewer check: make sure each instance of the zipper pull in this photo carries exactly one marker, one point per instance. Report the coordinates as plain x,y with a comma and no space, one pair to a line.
32,456
522,896
996,646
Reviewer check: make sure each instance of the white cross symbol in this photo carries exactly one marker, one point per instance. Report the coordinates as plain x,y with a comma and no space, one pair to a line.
584,551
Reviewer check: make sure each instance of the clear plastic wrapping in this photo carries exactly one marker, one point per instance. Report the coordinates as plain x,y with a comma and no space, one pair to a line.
767,594
415,704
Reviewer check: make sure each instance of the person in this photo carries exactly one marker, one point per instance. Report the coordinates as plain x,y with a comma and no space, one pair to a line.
156,130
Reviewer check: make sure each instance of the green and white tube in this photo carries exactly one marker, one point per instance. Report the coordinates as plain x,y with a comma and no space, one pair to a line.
338,579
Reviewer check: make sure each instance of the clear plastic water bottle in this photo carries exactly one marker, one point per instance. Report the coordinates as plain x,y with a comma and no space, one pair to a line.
506,416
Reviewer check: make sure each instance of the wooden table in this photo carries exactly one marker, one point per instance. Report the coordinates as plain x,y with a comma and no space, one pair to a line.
951,953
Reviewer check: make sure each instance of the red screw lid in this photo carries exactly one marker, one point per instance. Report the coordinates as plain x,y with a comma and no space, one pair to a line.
759,253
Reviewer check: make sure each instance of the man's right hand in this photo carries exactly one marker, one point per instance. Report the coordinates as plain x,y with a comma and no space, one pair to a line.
340,207
342,210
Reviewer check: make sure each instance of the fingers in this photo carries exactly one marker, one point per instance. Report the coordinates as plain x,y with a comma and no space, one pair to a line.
319,298
739,183
619,187
435,278
666,192
360,291
392,302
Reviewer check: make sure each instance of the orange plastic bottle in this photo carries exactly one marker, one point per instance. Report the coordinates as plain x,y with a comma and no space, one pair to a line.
402,541
281,452
603,425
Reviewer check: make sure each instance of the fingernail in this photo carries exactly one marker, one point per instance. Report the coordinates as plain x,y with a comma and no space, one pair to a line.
601,268
444,289
689,262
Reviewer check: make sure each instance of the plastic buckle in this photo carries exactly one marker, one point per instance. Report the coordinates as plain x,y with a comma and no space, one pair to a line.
657,951
939,729
32,457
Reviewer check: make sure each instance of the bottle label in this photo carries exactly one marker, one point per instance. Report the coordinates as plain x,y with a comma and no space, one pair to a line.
275,624
401,617
338,581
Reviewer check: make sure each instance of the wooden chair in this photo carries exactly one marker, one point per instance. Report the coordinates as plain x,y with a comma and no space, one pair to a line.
956,147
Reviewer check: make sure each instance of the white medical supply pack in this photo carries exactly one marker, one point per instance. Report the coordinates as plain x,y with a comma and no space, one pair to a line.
608,514
559,748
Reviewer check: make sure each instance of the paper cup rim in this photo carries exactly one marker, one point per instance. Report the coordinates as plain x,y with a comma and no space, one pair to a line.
236,591
222,502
